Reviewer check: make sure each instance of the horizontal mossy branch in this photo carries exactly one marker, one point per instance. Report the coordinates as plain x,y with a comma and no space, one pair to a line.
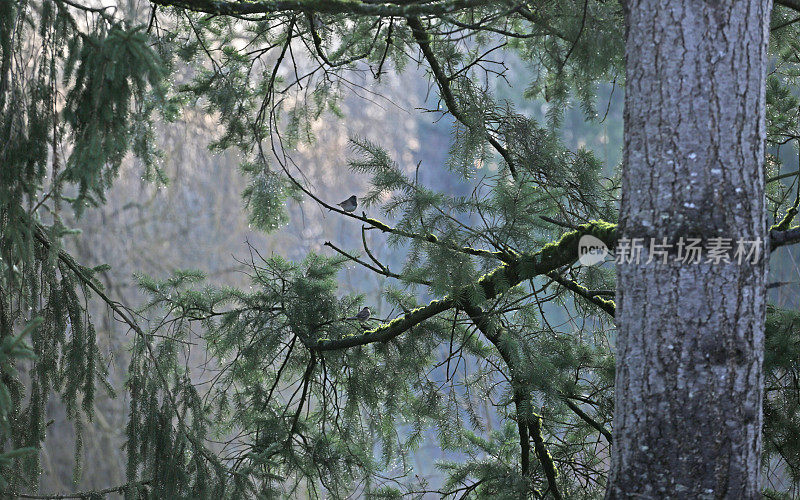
605,304
387,331
523,267
516,270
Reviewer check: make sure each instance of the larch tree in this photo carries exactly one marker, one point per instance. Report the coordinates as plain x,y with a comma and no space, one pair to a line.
306,401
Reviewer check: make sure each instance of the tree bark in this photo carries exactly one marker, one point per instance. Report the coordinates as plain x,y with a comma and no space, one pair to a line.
690,336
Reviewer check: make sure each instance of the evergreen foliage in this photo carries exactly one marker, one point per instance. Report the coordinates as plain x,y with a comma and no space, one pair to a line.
489,320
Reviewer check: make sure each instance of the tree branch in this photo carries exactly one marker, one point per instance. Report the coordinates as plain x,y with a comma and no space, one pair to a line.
383,9
778,239
525,417
586,418
606,305
90,494
523,267
119,310
317,41
792,4
382,270
424,42
526,266
376,224
550,471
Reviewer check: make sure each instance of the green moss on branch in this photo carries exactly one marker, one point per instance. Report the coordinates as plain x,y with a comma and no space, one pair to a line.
519,268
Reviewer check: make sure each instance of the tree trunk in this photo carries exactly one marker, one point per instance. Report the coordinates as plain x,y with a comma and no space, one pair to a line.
690,335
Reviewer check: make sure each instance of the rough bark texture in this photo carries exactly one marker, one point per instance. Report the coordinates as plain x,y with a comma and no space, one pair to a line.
690,336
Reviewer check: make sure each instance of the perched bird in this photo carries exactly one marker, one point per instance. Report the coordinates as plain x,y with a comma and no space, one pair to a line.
350,204
363,315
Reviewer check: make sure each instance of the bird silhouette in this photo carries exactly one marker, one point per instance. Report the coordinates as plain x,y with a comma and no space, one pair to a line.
350,204
363,315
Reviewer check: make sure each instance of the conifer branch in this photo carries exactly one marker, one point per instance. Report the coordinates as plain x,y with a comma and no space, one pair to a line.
521,396
792,4
376,224
550,471
558,222
606,305
366,249
483,25
524,441
778,239
432,238
121,312
378,73
423,39
383,270
306,383
577,38
526,266
89,494
364,8
540,22
597,425
782,176
86,8
317,41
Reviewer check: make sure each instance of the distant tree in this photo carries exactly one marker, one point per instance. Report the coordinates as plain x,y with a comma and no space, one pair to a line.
304,400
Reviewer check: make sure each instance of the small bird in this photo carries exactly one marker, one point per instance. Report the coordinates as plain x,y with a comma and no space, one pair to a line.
363,315
350,204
